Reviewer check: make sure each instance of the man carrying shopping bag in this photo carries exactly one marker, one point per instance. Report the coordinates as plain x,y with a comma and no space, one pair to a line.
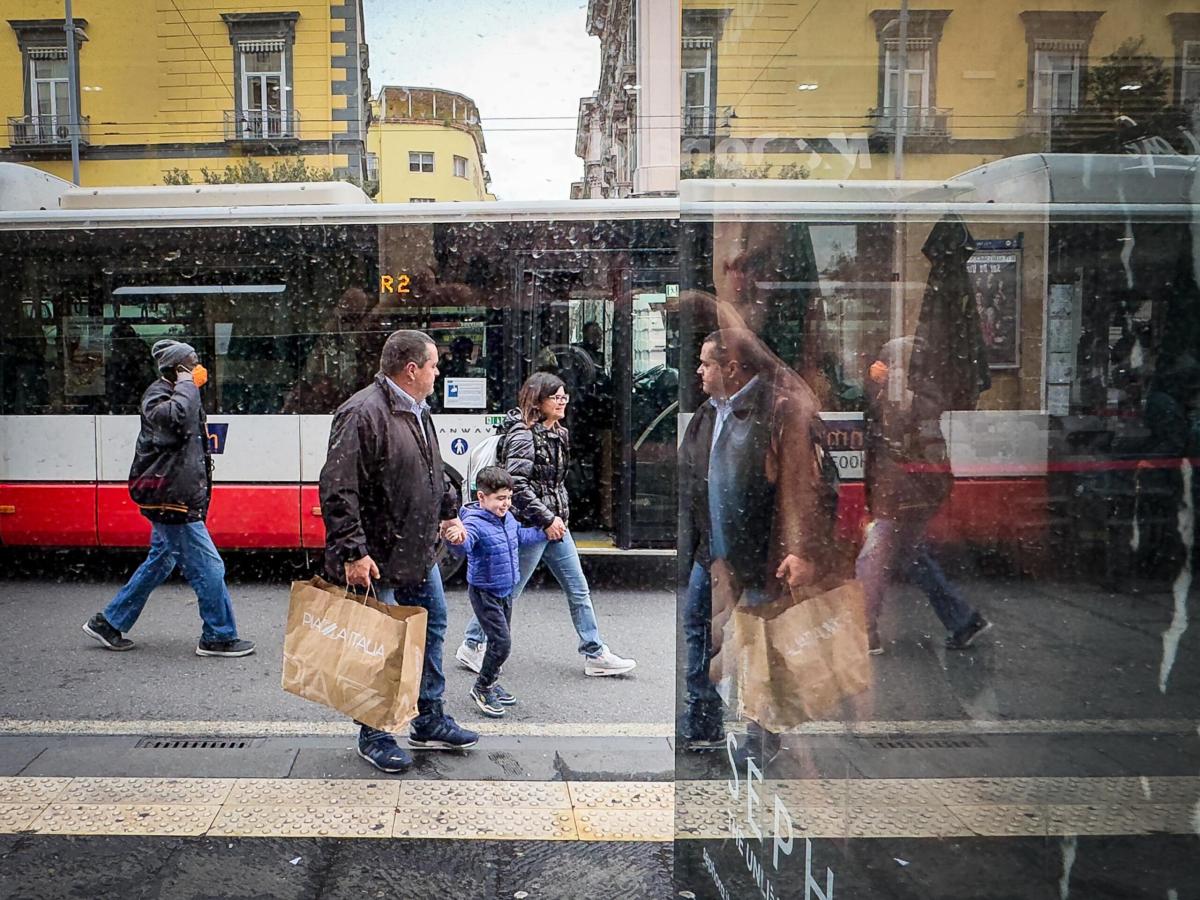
383,494
753,454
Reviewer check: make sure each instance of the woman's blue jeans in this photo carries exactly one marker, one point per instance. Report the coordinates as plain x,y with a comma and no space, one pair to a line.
562,559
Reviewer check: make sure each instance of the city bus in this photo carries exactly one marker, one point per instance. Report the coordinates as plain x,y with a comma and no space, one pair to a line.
1084,302
288,293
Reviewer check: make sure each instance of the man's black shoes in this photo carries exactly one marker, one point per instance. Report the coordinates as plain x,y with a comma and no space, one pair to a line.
97,626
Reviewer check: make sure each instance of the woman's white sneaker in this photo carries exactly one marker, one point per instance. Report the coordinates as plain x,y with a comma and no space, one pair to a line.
471,657
608,663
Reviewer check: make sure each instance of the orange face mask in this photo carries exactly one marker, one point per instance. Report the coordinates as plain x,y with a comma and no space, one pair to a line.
199,375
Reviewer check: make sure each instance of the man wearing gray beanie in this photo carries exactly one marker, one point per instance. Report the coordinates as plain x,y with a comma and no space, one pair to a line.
171,482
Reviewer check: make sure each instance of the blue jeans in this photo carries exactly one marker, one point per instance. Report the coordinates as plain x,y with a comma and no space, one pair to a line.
562,559
895,546
430,596
190,547
703,699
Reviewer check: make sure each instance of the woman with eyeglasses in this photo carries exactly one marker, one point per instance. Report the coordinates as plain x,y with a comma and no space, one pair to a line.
534,448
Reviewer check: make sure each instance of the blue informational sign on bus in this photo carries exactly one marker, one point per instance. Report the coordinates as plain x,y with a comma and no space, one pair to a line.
216,436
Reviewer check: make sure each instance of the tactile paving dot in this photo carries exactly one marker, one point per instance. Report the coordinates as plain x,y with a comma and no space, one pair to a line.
701,822
18,816
891,792
148,791
1169,789
97,818
902,821
1002,820
625,824
1035,791
811,822
809,791
507,823
702,794
313,792
304,821
31,790
622,795
1137,818
492,794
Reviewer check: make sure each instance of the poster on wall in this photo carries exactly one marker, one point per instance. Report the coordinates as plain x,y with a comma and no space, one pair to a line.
996,284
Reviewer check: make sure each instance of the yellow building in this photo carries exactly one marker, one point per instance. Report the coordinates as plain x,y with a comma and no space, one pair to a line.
426,145
817,88
186,84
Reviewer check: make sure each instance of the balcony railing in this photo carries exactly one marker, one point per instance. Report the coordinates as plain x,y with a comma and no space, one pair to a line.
919,120
261,125
1044,121
697,121
45,131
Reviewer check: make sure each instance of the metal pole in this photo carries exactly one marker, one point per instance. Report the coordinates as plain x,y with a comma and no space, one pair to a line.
72,92
896,375
901,93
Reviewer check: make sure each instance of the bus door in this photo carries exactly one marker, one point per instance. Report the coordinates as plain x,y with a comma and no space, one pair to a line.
603,323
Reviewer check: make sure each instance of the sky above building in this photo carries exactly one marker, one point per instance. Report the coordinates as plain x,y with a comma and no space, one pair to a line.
525,63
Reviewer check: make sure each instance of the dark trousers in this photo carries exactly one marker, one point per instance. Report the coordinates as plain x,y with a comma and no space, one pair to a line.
494,614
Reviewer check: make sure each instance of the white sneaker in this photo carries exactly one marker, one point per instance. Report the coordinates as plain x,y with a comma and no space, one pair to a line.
608,663
472,659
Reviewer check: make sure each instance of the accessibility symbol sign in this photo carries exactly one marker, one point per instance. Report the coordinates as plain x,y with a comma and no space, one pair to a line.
459,446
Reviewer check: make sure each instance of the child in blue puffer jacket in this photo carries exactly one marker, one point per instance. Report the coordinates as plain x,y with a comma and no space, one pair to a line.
493,571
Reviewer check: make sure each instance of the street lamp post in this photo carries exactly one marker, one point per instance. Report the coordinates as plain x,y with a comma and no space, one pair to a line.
72,92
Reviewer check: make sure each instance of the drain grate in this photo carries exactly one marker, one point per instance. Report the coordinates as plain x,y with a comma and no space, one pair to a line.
931,743
152,743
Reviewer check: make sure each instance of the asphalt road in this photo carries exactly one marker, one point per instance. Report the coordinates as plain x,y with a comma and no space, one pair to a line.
53,671
1059,651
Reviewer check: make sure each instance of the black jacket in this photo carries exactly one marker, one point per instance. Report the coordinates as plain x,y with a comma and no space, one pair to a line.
537,460
171,476
383,488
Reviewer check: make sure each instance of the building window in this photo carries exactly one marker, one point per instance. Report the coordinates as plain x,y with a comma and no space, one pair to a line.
420,161
702,30
912,91
460,167
420,200
262,67
1056,80
48,82
47,101
1185,30
372,166
1058,51
697,87
1189,75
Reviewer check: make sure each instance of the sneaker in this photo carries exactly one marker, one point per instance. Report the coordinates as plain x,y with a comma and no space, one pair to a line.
487,701
608,663
963,639
382,751
225,648
505,698
97,626
441,733
874,644
471,657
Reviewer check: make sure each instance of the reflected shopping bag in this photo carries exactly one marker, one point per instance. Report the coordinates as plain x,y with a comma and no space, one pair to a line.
354,654
797,661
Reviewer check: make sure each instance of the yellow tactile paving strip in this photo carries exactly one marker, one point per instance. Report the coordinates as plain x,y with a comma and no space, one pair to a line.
946,807
353,808
597,811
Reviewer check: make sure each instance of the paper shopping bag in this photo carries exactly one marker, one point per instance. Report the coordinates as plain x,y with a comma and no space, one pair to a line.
354,654
796,661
